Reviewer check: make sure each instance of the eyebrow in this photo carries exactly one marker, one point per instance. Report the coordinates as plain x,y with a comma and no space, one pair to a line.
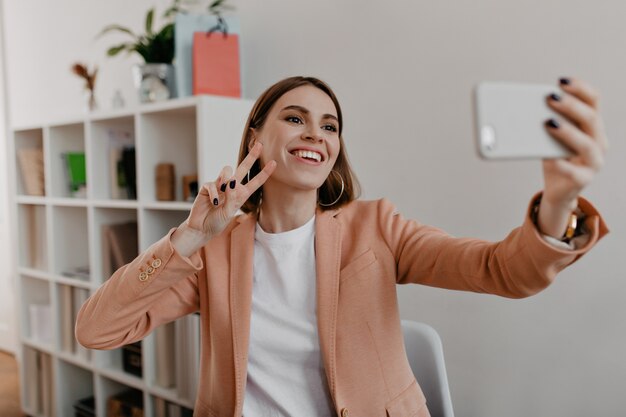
306,111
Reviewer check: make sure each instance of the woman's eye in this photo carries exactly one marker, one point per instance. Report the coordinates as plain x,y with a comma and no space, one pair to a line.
331,128
294,119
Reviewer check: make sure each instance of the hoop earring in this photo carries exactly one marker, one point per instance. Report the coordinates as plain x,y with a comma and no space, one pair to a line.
338,197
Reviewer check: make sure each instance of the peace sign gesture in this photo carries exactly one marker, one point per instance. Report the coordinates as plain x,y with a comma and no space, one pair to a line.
213,209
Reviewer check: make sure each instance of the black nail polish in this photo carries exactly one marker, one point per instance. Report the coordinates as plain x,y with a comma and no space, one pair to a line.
555,97
223,187
215,201
232,184
565,81
552,123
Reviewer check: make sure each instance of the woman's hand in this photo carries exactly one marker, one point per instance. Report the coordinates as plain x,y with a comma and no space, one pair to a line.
583,133
217,203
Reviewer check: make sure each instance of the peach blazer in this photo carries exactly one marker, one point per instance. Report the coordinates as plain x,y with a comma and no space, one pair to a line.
362,251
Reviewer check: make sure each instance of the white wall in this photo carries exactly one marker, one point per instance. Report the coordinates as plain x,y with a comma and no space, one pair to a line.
8,334
404,71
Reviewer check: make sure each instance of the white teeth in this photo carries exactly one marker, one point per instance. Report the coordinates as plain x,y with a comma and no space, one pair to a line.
308,154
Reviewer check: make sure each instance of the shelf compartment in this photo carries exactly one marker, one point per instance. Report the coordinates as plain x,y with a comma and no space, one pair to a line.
109,138
115,239
37,318
167,136
32,230
156,223
30,162
67,160
39,394
77,385
70,243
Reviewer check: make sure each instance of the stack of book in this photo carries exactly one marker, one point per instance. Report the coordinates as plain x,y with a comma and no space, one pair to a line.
72,298
39,395
31,169
178,356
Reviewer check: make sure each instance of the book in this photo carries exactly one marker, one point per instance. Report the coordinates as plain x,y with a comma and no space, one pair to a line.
67,318
76,173
128,169
160,407
40,322
122,243
31,167
79,296
119,139
116,175
165,372
31,373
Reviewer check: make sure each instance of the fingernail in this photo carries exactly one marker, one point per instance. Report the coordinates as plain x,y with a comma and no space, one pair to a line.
215,201
223,187
232,184
552,123
555,97
565,81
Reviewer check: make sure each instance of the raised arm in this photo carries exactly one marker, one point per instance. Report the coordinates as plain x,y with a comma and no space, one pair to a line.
161,284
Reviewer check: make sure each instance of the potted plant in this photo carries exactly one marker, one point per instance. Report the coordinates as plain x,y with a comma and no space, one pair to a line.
155,77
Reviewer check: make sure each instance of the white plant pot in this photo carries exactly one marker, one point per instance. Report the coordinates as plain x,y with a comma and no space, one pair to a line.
154,82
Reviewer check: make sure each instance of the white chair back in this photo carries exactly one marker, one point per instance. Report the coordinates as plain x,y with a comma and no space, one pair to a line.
425,353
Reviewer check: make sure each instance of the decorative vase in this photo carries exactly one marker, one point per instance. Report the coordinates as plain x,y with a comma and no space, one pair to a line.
90,101
154,82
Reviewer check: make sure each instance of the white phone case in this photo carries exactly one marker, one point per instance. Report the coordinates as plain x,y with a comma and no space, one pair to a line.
509,121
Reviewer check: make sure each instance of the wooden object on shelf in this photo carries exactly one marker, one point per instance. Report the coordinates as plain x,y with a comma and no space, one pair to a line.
165,179
190,187
126,404
32,170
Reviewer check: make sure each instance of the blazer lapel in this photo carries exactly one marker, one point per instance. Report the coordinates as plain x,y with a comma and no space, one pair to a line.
327,263
241,261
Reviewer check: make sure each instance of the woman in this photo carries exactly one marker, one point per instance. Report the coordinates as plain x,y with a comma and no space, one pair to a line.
297,296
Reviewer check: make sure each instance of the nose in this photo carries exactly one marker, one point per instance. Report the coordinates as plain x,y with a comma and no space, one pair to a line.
312,135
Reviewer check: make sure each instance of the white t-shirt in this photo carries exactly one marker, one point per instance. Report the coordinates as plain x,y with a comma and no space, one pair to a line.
286,374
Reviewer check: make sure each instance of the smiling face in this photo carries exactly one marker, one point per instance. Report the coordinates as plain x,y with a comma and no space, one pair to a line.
301,133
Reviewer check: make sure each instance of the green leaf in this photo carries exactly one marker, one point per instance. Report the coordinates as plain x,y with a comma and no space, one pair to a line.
149,18
118,28
172,11
119,48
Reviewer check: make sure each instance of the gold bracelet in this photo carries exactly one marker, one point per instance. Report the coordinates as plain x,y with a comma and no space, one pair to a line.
571,226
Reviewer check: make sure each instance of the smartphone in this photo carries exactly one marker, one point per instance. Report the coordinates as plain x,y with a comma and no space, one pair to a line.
509,121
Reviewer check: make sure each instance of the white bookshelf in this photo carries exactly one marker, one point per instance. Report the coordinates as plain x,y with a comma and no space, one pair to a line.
57,232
